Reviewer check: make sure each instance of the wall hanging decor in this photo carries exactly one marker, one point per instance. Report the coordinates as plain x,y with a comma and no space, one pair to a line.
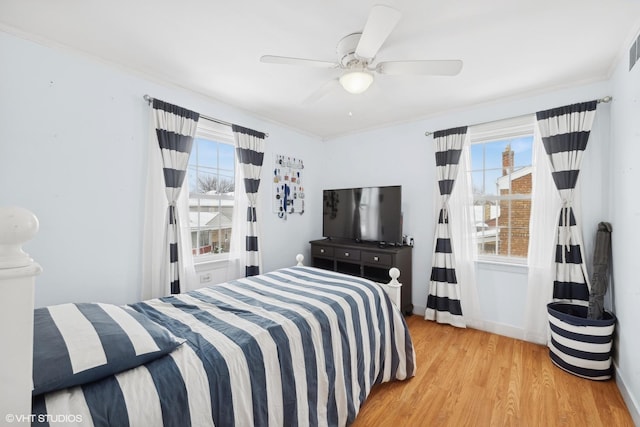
288,187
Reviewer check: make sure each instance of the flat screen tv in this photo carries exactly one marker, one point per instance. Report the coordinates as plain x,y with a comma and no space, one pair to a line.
370,214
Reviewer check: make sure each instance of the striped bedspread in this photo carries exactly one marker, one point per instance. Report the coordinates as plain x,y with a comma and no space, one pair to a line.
296,347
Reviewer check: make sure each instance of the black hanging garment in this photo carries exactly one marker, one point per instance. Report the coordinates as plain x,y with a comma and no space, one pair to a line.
600,278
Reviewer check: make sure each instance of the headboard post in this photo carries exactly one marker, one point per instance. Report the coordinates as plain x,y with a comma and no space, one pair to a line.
17,281
393,287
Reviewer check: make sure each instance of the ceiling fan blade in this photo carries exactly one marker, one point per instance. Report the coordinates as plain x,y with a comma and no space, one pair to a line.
321,92
271,59
427,67
382,20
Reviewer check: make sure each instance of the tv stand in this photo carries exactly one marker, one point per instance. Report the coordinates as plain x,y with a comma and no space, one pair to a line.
368,260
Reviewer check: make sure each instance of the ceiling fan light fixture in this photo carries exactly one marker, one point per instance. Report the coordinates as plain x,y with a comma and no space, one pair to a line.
356,81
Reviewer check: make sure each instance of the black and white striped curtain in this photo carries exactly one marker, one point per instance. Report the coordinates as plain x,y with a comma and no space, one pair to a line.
175,130
250,154
443,301
565,133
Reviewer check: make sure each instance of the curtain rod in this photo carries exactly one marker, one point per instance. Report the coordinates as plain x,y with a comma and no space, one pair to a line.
606,99
149,99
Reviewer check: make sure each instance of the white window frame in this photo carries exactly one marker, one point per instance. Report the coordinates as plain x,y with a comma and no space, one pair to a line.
499,130
220,133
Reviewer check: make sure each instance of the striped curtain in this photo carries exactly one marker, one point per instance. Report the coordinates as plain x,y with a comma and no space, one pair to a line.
175,130
250,154
565,132
443,301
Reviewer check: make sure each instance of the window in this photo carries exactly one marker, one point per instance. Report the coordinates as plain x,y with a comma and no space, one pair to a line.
501,176
211,190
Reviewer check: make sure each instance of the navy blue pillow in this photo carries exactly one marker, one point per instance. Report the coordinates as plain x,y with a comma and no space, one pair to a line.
74,344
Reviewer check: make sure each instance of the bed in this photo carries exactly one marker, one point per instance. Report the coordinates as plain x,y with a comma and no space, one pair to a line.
294,347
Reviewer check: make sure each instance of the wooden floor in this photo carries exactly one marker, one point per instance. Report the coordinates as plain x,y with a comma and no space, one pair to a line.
467,377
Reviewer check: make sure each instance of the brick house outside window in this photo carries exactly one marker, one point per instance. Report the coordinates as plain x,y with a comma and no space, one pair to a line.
514,212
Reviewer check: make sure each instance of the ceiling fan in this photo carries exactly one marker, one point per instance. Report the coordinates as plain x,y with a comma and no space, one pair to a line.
357,51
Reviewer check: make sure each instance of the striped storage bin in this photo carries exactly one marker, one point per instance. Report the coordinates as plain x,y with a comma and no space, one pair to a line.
579,345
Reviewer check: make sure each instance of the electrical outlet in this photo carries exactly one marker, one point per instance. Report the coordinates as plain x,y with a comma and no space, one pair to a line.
204,278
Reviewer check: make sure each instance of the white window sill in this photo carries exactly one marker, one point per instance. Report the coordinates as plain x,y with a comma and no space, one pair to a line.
212,263
504,264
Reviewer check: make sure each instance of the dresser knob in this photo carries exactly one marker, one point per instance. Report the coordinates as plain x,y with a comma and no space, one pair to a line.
321,251
346,254
375,258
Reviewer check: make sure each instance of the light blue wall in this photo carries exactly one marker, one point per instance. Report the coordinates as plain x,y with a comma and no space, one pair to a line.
73,143
624,149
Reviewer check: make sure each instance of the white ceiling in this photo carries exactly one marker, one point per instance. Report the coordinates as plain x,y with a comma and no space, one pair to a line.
510,48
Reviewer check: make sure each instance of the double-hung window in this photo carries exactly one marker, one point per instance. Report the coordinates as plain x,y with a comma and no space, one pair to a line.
211,190
501,176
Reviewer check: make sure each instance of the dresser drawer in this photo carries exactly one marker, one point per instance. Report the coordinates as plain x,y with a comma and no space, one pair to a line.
349,254
376,258
323,251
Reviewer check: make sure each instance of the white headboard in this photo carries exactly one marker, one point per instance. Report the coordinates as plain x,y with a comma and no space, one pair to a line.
17,280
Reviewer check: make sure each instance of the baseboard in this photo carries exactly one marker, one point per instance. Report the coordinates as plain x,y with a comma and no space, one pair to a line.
483,325
419,310
500,329
632,405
